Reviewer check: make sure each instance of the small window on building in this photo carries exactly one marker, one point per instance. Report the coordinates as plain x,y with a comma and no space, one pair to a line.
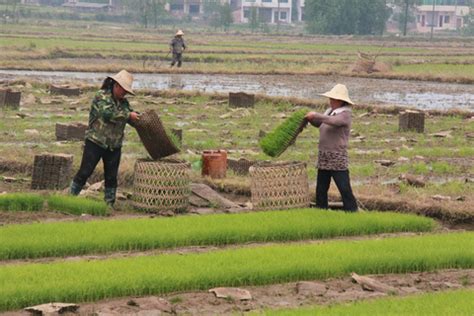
194,9
446,19
283,15
418,18
283,1
177,7
267,0
246,14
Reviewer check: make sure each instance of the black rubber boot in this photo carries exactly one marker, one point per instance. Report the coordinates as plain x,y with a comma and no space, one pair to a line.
75,188
109,196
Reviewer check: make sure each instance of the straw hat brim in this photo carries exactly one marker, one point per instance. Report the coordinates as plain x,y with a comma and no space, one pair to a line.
337,96
122,83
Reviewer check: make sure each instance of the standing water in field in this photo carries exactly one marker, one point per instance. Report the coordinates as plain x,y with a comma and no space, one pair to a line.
420,94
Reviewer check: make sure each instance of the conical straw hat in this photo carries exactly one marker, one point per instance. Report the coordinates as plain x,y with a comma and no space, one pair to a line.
125,80
339,92
179,32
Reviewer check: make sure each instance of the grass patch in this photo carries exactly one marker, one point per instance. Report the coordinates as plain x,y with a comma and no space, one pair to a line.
62,239
277,141
21,202
79,281
76,205
459,302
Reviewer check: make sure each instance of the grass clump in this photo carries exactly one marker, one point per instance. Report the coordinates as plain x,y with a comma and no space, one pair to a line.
21,202
277,141
459,302
61,239
79,281
76,205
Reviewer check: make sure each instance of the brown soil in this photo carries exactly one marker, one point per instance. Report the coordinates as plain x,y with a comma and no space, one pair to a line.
288,295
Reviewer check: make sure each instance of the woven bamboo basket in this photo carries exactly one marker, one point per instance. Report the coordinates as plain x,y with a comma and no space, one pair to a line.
161,186
153,136
281,185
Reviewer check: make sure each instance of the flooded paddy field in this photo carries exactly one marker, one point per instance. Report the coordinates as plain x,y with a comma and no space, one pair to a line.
415,94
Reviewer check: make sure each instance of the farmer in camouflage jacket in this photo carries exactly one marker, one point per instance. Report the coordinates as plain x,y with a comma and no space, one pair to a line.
177,46
110,112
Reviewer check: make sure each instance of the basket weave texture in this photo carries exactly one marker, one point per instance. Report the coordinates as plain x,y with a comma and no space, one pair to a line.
279,185
51,171
153,136
161,186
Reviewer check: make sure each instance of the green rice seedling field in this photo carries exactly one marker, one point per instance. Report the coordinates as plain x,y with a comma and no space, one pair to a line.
34,283
460,302
106,236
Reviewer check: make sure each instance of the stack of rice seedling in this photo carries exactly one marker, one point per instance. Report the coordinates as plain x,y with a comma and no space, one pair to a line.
277,141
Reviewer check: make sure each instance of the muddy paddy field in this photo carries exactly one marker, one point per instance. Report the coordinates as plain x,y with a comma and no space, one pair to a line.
292,260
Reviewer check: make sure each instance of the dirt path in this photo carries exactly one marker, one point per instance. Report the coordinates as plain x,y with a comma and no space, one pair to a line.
289,295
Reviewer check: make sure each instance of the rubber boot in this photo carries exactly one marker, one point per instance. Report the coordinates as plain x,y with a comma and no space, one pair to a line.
75,188
109,196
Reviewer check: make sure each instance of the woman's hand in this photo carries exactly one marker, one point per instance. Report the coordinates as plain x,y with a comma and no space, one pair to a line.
134,117
310,116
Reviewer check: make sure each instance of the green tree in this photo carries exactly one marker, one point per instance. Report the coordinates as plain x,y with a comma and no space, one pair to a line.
217,14
468,28
346,16
254,22
226,16
10,11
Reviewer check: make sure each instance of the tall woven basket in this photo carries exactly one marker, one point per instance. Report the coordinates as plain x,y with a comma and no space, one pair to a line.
161,186
281,185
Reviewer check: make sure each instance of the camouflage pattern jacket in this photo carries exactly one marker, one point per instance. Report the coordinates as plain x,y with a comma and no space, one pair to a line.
177,45
107,120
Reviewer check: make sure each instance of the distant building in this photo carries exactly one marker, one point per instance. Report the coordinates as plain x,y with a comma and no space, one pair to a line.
268,11
181,8
87,6
300,9
447,15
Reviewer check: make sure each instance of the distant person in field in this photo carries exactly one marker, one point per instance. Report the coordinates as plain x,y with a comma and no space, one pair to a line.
333,161
109,113
177,47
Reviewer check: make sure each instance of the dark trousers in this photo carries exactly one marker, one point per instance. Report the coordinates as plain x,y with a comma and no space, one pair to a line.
176,58
90,158
341,178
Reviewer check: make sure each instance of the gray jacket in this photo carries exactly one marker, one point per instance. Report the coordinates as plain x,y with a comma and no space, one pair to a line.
177,45
334,129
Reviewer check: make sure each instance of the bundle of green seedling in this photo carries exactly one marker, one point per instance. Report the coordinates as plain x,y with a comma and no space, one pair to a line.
67,204
90,280
277,141
60,239
21,202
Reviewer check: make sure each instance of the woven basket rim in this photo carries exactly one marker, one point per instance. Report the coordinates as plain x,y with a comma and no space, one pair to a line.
278,164
163,161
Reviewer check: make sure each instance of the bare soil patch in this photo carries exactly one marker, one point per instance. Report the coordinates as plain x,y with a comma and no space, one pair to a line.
288,295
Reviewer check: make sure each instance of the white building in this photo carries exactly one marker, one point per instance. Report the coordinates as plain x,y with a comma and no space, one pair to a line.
443,17
268,11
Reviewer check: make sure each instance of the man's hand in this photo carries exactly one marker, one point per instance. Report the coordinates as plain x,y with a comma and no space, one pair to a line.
134,117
